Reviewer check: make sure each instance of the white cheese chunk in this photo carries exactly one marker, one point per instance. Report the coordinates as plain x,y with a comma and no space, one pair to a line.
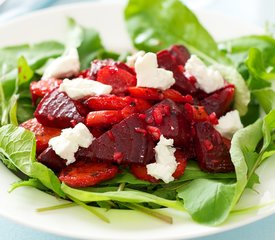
80,87
166,163
229,124
65,66
131,60
208,79
67,143
149,75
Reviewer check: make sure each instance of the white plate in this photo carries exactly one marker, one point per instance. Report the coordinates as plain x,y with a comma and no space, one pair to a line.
21,204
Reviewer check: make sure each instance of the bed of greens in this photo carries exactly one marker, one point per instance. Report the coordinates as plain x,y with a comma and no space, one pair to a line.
248,62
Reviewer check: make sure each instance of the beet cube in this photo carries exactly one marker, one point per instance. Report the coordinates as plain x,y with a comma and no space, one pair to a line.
58,110
182,84
211,150
180,53
123,143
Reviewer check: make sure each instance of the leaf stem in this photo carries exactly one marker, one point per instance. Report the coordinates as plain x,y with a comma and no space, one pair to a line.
56,207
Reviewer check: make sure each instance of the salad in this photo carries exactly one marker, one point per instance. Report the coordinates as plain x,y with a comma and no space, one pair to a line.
184,122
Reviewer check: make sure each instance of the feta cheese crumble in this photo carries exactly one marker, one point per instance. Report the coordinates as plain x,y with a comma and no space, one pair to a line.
208,79
67,65
67,143
131,60
166,163
229,124
149,75
80,87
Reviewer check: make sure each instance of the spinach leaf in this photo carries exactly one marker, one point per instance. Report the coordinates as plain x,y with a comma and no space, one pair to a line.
208,201
156,25
86,40
17,147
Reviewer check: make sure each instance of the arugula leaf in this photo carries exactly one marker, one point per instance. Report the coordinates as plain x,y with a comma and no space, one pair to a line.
266,98
25,73
30,183
149,24
237,49
36,55
17,147
208,201
242,94
256,67
86,40
128,195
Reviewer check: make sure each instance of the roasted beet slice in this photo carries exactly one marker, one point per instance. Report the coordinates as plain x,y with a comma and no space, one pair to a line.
171,122
124,143
180,53
167,61
42,134
212,153
50,159
181,159
58,110
219,101
118,78
85,174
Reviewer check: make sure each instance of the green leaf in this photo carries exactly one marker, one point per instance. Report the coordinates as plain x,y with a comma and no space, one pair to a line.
25,73
86,40
128,195
256,67
237,49
17,146
156,25
266,98
242,94
208,201
28,183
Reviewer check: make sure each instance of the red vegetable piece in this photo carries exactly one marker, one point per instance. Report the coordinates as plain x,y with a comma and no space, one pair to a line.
118,78
50,159
180,54
58,110
182,163
219,102
146,93
103,118
108,102
140,172
177,96
212,153
182,84
195,113
86,174
42,87
141,104
172,123
42,134
96,65
135,146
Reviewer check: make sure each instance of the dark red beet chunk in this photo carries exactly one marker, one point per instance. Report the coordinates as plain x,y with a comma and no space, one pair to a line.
123,143
50,159
180,53
58,110
212,153
219,101
167,61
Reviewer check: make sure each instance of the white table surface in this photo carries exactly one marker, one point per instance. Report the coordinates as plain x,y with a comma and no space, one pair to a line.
255,12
